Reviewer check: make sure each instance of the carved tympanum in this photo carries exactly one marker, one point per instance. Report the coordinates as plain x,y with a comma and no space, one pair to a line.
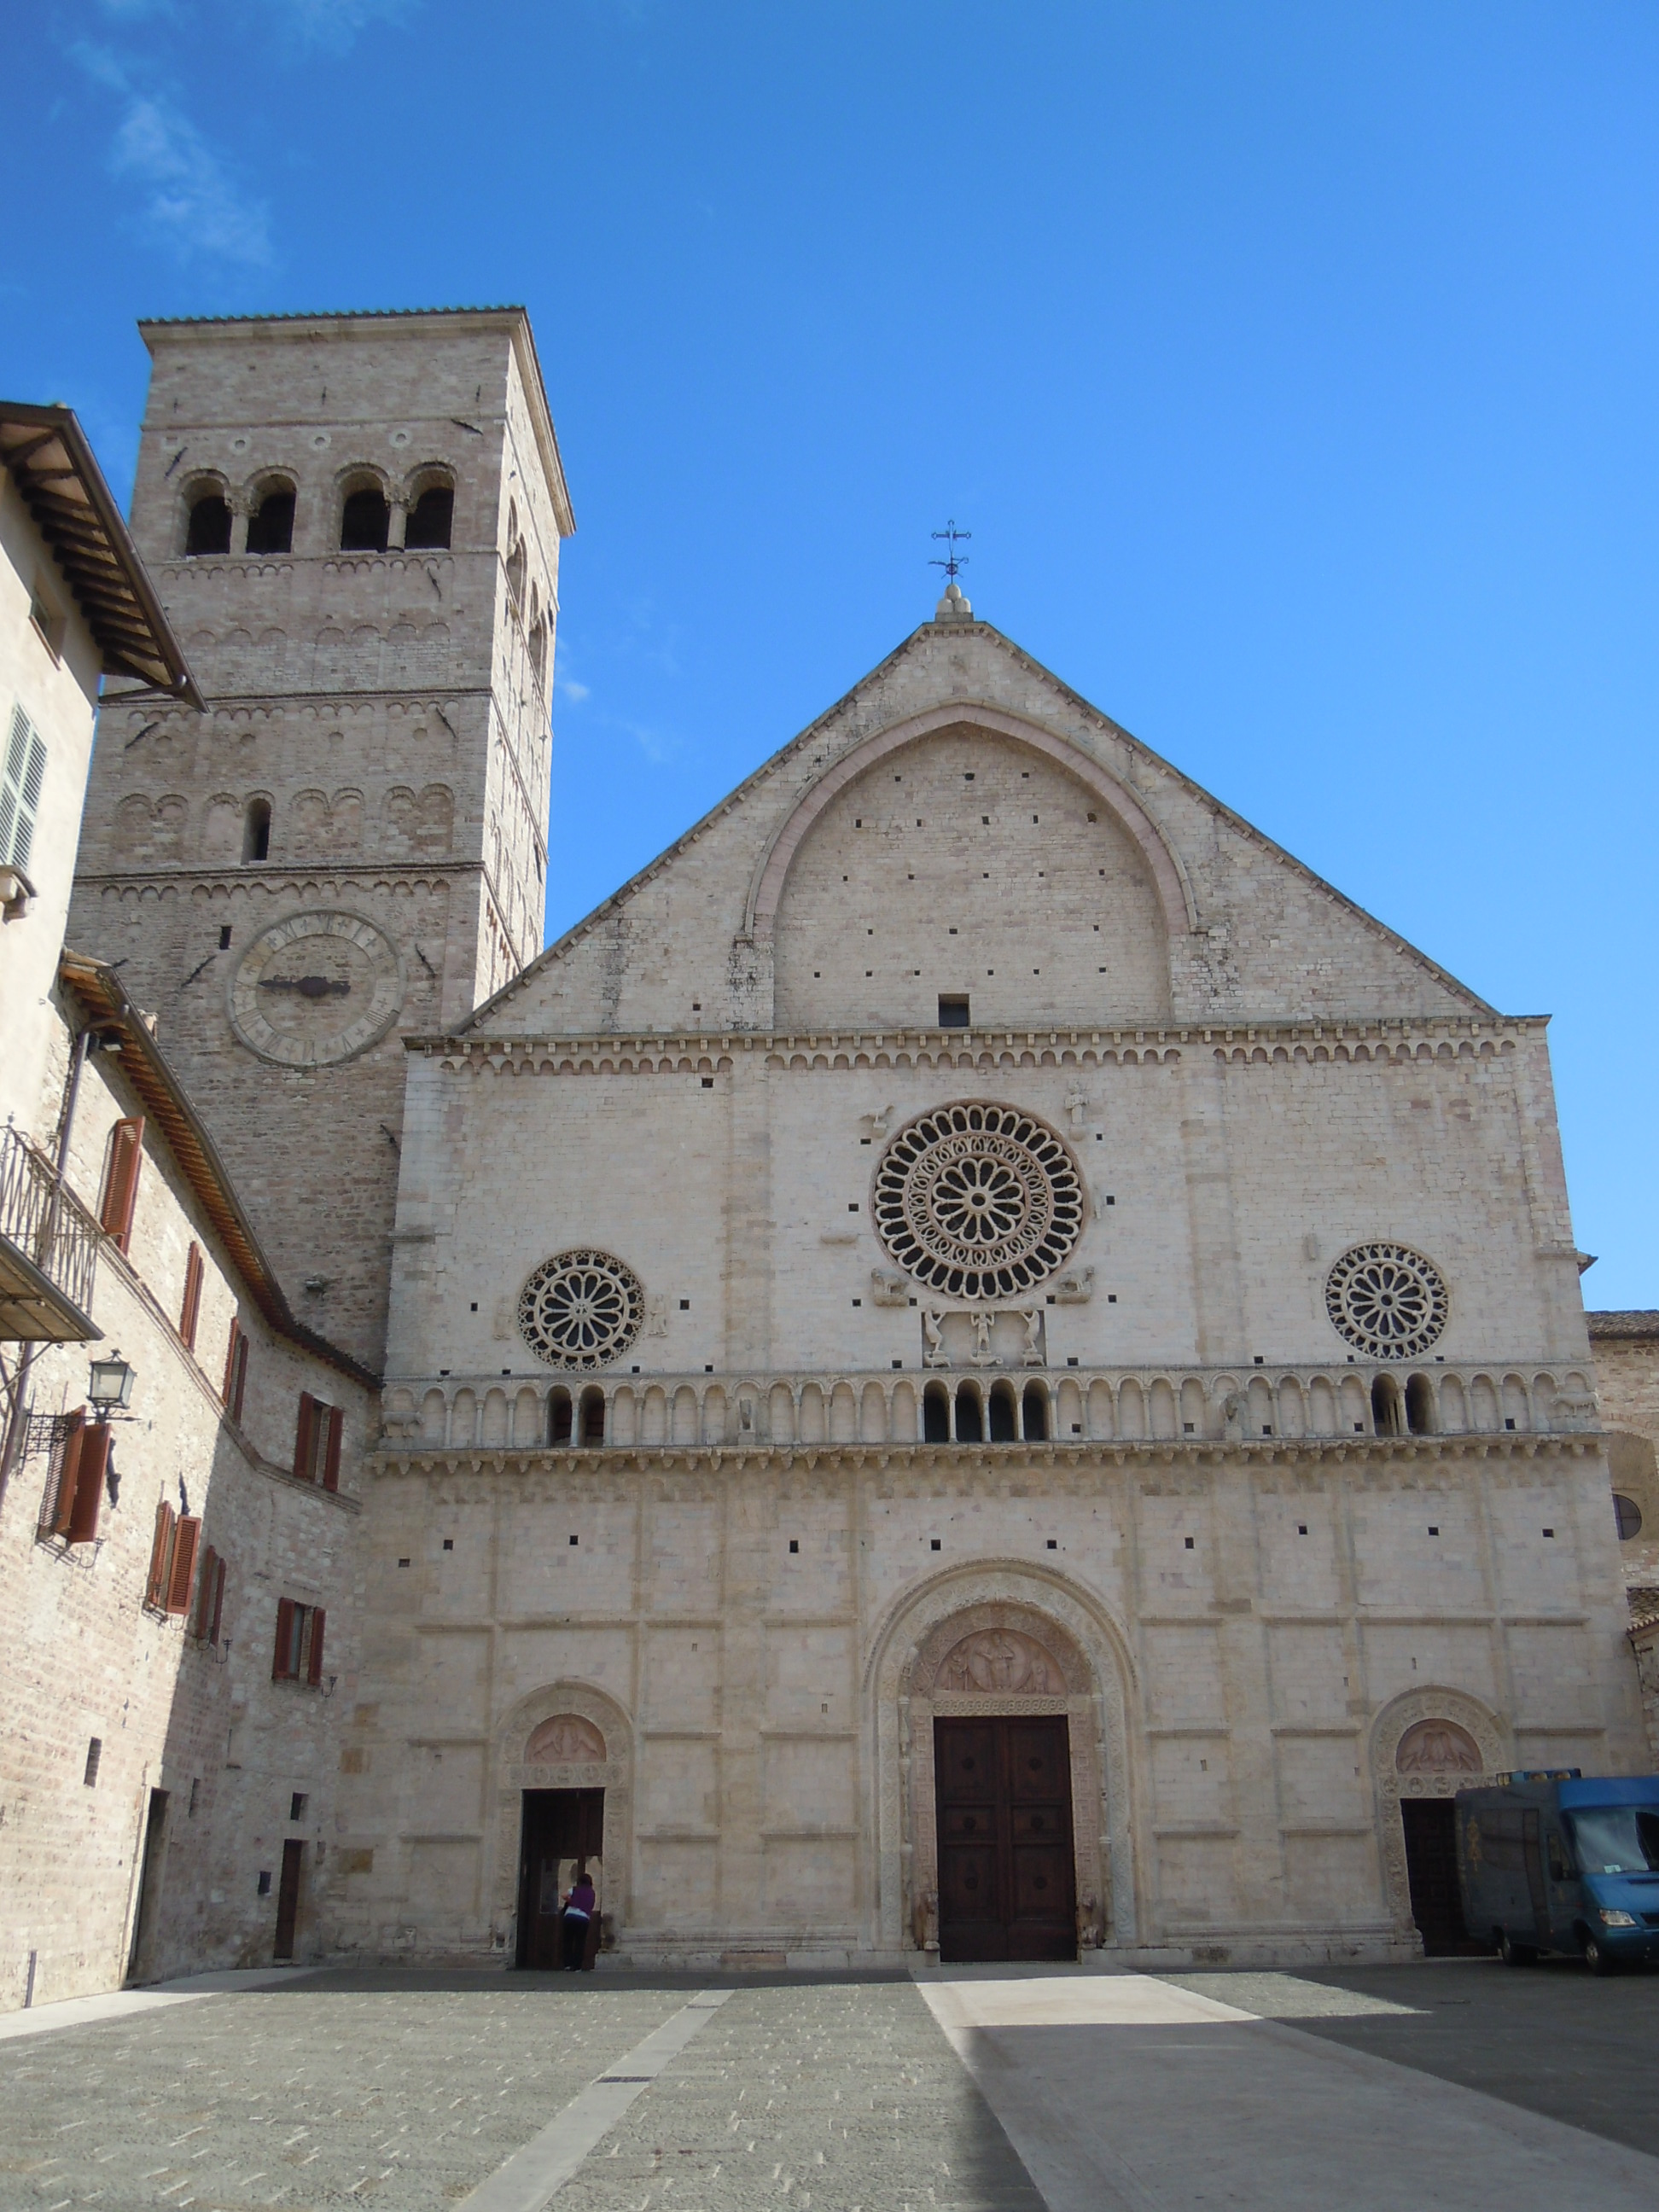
563,1741
1000,1659
1438,1747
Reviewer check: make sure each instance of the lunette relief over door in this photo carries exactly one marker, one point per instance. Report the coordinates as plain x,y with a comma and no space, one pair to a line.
1006,1877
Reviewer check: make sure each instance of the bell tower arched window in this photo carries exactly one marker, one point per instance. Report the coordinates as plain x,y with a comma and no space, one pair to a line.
208,528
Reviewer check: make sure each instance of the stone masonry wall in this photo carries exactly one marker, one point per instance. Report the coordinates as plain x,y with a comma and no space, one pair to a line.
89,1659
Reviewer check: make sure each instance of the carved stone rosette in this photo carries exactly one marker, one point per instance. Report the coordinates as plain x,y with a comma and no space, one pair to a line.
567,1736
1429,1743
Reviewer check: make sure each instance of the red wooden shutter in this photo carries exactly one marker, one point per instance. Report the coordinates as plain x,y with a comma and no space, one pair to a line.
230,1362
185,1539
193,1307
282,1668
160,1555
204,1596
218,1613
89,1484
60,1508
331,1457
241,1379
316,1674
305,1438
126,1152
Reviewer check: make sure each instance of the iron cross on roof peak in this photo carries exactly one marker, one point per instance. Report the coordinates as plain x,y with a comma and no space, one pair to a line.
954,606
950,561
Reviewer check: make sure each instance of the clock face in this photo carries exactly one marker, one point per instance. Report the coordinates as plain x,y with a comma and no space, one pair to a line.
315,989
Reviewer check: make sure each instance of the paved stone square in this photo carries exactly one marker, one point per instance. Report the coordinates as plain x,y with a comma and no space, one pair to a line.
970,2090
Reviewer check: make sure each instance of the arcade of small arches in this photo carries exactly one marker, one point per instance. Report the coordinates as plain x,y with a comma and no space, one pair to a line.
1198,1408
374,513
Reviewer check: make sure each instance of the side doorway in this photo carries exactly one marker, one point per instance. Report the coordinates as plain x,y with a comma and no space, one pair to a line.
1430,1826
149,1886
563,1830
287,1900
1006,1870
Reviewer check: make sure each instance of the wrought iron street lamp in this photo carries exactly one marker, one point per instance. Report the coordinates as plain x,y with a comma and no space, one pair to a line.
109,1387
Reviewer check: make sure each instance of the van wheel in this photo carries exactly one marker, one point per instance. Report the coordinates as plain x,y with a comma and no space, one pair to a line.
1596,1958
1516,1955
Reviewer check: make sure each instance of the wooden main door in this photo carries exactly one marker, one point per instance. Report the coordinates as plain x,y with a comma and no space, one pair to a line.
1006,1877
563,1830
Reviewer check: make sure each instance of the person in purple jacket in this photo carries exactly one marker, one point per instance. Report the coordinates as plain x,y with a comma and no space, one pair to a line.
579,1904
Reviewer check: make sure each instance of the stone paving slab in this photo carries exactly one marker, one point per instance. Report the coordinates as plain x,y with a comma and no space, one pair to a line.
306,2097
810,2099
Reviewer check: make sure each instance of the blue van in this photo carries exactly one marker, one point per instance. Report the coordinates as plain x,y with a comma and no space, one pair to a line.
1554,1862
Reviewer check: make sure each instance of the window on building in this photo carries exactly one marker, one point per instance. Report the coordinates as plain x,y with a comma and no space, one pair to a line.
298,1656
209,1597
317,1442
935,1414
172,1560
431,518
270,526
119,1197
21,783
1036,1414
94,1760
592,1411
364,521
1005,1428
255,831
515,575
971,1426
1419,1405
953,1012
1627,1514
235,1371
208,528
190,1311
75,1481
558,1418
1385,1406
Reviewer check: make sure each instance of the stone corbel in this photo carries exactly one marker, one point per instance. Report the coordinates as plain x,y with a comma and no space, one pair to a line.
1075,1287
887,1289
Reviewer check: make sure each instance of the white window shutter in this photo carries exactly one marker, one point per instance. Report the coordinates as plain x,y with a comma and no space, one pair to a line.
21,785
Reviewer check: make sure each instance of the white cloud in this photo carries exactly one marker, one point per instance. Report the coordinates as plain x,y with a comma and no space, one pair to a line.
190,199
573,690
331,23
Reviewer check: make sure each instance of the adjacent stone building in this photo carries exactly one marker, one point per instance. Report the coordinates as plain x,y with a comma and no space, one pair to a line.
178,1455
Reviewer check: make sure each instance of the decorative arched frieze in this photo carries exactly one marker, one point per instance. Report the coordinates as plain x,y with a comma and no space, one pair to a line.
1001,1637
1431,1743
1174,893
547,1741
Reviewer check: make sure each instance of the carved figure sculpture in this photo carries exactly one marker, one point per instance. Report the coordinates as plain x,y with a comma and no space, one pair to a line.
932,1330
563,1741
999,1659
1438,1747
1088,1922
982,1354
1033,1321
924,1920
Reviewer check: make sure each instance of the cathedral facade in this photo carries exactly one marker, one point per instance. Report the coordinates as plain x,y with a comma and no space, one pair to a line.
977,1362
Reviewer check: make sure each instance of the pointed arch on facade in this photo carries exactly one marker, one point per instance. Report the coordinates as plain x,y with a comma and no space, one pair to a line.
1169,880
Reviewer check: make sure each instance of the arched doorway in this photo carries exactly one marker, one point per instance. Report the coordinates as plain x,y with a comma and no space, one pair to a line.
1425,1749
998,1700
565,1756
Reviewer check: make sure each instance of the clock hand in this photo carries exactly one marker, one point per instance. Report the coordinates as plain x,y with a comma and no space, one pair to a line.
308,986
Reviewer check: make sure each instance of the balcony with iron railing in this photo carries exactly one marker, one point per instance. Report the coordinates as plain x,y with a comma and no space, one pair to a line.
48,1250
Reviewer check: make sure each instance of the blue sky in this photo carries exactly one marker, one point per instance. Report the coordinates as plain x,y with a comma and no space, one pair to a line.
1292,364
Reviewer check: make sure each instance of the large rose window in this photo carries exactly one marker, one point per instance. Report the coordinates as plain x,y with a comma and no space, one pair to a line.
1387,1299
978,1200
580,1310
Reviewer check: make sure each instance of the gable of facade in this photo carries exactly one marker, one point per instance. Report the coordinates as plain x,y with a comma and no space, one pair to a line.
971,828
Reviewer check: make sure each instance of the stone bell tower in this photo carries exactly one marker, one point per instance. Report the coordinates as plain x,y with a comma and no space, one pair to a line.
354,522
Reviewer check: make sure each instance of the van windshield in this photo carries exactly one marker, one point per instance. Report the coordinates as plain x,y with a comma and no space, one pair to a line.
1617,1838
